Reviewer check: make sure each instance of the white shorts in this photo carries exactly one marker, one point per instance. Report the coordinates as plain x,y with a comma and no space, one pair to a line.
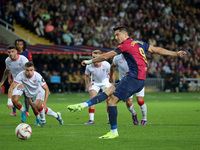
40,95
141,93
17,92
99,86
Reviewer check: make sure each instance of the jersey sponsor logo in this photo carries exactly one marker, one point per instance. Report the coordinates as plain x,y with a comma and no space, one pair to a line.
92,71
103,70
20,64
120,62
9,64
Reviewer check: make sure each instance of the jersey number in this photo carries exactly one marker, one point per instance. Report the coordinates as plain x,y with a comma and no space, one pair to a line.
143,54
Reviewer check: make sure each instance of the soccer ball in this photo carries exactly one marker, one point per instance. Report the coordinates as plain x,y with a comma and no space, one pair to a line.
23,131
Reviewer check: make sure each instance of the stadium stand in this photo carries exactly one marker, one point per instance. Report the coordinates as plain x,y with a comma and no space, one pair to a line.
172,24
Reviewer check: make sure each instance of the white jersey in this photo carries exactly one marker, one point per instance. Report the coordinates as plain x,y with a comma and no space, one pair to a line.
31,85
122,65
98,74
16,66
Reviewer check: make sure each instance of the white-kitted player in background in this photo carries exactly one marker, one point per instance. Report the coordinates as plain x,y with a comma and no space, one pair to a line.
15,63
120,62
35,88
96,79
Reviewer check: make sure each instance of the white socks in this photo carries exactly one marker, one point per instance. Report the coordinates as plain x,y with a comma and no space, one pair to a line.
143,110
91,115
131,109
50,112
42,114
114,131
84,104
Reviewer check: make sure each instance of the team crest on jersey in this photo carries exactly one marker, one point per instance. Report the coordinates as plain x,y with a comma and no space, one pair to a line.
9,64
120,62
34,81
25,80
20,64
43,80
104,70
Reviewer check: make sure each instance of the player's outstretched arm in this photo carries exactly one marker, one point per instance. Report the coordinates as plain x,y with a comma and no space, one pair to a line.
162,51
5,76
100,58
10,78
10,91
87,82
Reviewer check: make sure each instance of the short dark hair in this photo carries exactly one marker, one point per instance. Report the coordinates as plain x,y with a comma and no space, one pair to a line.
20,40
121,28
29,64
11,47
96,52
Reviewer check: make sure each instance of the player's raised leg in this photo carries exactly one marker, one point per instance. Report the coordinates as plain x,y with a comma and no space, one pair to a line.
95,100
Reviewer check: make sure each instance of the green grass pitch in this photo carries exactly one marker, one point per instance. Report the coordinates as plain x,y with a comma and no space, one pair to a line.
173,124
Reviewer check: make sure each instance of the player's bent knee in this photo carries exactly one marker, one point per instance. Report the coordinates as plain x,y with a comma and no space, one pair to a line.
140,103
38,103
129,101
15,99
112,101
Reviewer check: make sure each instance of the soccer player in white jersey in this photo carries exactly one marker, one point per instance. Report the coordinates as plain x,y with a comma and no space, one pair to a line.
15,64
35,88
120,62
96,79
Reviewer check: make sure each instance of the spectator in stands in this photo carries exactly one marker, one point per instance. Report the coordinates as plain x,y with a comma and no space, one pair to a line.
78,40
21,18
65,85
81,80
10,7
183,86
72,68
45,72
171,81
67,37
49,28
8,17
74,81
166,68
39,27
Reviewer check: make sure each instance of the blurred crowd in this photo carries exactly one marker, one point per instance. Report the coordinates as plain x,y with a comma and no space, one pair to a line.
172,24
